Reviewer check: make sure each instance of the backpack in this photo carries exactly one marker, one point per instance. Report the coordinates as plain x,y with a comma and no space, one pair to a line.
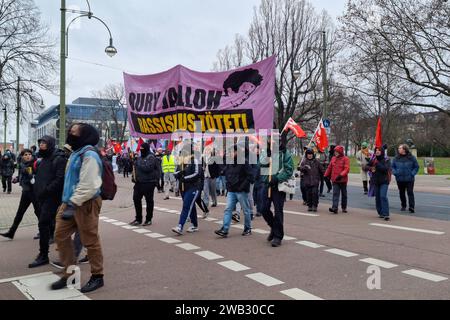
109,188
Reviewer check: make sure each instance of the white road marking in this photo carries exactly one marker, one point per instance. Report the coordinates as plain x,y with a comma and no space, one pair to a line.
287,238
264,279
302,213
120,224
211,219
103,218
208,255
173,211
298,294
343,253
38,288
424,275
380,263
407,229
187,246
260,231
142,231
310,244
233,265
25,277
110,220
237,226
130,227
154,235
218,222
169,240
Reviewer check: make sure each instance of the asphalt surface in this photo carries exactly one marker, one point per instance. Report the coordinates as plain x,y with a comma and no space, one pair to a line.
320,257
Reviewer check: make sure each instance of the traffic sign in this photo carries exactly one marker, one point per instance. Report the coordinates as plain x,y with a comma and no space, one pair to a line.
326,123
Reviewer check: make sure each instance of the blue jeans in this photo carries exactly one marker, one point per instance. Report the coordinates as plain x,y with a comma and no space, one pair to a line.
221,184
232,199
189,208
381,200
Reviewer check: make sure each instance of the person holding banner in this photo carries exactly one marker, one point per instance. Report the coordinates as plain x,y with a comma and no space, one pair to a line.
338,173
269,192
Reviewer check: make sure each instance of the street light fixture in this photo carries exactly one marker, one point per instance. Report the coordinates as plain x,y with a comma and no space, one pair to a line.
110,50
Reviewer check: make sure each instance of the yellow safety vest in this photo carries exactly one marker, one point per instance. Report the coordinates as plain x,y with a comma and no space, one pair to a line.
168,164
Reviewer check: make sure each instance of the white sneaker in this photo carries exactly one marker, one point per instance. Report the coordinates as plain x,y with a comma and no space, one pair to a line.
178,230
192,229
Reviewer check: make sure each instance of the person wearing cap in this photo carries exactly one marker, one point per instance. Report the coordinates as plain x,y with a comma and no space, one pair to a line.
48,189
380,168
362,157
145,178
312,171
338,173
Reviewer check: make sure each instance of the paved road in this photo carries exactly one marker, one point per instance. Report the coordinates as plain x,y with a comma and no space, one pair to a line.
324,256
428,205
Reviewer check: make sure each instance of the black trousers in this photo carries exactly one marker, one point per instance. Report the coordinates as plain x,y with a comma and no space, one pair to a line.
7,183
324,181
47,216
312,196
201,204
407,187
147,191
303,190
275,221
26,199
338,189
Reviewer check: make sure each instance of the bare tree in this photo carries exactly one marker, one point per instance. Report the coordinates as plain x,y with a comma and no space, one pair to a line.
414,36
114,108
291,30
26,51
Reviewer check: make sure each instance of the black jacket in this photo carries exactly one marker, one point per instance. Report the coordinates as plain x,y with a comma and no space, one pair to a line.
25,176
189,175
312,171
382,174
147,169
6,167
49,178
239,177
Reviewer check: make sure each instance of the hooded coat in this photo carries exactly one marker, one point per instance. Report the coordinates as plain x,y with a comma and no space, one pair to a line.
6,166
405,167
50,167
339,167
312,170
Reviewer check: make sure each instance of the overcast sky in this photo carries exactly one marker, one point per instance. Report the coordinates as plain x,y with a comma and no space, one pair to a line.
150,35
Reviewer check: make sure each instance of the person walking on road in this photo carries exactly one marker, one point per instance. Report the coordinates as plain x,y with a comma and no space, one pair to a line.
81,205
270,181
7,171
168,169
361,157
26,181
312,171
405,167
338,173
380,168
145,176
48,189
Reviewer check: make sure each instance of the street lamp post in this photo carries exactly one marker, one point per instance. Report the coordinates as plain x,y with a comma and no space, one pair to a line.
110,51
5,114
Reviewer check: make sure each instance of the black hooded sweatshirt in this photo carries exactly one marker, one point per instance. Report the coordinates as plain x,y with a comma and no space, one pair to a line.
50,169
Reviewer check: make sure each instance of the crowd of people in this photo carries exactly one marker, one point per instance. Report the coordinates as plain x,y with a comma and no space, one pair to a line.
66,188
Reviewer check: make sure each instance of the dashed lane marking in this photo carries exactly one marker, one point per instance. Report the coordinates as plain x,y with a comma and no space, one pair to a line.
260,231
209,255
343,253
439,233
310,244
169,240
301,213
288,238
154,235
424,275
130,227
233,265
187,246
298,294
264,279
120,224
380,263
141,231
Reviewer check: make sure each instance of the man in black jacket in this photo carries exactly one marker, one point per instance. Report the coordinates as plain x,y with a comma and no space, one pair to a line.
48,187
26,180
7,171
145,176
238,177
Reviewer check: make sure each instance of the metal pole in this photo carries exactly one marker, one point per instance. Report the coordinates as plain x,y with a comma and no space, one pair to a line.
62,80
18,116
6,125
324,76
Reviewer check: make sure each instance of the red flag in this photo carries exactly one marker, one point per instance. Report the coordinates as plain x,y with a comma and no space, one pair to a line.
320,137
378,139
208,141
117,148
295,128
140,142
170,146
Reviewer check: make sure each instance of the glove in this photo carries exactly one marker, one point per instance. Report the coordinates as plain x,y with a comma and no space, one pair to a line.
68,213
273,182
338,178
15,180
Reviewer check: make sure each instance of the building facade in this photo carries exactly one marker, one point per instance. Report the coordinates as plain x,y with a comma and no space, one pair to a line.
108,116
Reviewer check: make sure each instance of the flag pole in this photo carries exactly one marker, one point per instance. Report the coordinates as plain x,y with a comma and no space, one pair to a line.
270,165
318,126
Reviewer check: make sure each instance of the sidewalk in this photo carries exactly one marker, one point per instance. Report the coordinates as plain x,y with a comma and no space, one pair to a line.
8,208
432,184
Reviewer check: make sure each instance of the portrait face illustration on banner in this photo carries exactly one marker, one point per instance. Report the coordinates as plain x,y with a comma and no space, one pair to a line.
181,99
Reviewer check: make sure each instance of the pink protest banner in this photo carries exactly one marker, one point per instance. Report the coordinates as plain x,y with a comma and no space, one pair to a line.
209,102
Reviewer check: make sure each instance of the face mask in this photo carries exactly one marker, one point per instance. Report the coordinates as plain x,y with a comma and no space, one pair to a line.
74,142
